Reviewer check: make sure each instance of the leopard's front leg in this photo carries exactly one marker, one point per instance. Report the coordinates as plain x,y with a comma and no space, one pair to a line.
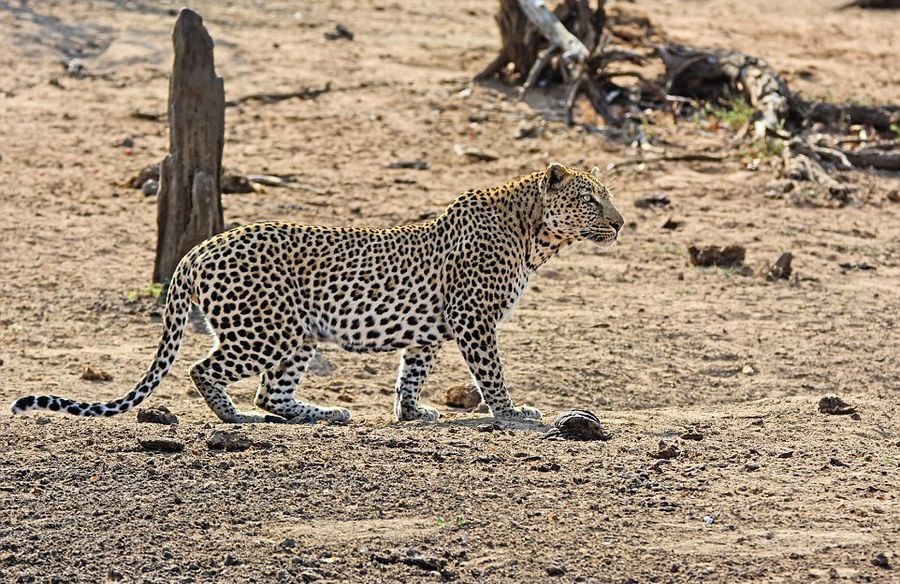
478,345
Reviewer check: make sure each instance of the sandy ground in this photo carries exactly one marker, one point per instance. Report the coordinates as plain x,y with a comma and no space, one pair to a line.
722,364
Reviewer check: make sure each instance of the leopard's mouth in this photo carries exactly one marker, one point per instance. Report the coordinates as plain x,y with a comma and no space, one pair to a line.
603,237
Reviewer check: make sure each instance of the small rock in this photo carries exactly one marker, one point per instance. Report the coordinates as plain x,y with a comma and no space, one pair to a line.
346,397
652,201
666,451
671,224
157,415
894,196
781,269
490,427
288,543
150,187
145,174
556,570
161,445
751,467
692,435
232,561
340,32
462,396
881,561
577,425
89,373
526,131
709,519
713,255
235,183
76,68
786,454
229,441
474,154
748,370
835,406
835,462
862,266
410,164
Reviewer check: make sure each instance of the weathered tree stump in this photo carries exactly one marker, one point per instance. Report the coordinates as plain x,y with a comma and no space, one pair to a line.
190,201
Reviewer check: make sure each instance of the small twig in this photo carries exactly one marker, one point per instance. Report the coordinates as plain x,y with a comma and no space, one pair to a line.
666,158
304,93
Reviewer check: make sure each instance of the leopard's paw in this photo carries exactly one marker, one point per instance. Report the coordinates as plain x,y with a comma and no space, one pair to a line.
425,413
519,413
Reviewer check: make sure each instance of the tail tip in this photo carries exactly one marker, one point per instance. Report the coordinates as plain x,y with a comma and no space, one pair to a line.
22,404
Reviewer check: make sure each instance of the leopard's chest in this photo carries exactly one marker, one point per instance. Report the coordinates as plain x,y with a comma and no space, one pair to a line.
516,291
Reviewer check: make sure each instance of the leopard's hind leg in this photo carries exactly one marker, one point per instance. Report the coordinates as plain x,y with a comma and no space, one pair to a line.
278,384
211,376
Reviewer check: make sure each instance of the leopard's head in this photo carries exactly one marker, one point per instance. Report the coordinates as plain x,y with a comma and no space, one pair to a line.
577,206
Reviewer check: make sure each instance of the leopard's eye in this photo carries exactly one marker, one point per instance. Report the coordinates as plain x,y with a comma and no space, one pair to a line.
587,198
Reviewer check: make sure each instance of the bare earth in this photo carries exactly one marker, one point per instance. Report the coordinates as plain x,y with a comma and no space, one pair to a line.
722,364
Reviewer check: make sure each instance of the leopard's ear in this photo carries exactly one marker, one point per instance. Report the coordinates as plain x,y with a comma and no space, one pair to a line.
555,174
596,173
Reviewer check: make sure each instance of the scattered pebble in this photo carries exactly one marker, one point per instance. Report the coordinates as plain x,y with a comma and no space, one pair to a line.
157,415
652,201
161,445
150,187
577,425
89,373
288,543
692,435
781,269
835,462
862,266
410,164
528,131
556,570
709,519
235,183
145,174
666,451
751,467
229,441
462,396
835,406
340,32
671,224
881,561
474,154
713,255
748,370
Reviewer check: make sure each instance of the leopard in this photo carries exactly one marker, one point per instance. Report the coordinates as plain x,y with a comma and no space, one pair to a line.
272,292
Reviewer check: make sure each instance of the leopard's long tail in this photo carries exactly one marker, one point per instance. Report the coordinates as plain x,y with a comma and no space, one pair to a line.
178,306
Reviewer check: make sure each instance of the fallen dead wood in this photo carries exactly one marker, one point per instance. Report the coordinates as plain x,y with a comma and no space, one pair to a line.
620,79
667,158
873,158
724,76
304,93
872,4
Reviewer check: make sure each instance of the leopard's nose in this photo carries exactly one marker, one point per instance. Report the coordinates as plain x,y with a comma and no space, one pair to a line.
616,225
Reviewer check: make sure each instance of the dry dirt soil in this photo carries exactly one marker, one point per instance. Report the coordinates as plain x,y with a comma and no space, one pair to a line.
720,363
